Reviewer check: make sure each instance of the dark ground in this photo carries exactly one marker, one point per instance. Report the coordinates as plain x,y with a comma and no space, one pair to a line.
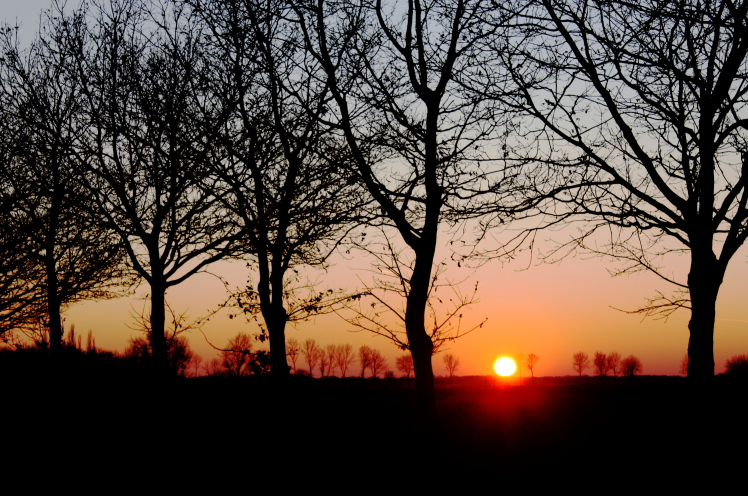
234,428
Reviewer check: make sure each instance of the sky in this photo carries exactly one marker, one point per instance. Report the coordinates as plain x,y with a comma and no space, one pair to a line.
551,310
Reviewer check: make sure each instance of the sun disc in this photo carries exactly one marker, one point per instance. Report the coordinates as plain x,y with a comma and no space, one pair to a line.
505,366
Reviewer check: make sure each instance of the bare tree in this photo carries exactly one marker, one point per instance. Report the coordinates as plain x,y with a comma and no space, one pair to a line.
377,363
280,165
331,351
196,363
237,357
532,360
312,354
581,362
601,366
408,86
642,118
150,135
404,364
292,350
452,363
683,370
69,255
630,367
364,358
343,358
614,361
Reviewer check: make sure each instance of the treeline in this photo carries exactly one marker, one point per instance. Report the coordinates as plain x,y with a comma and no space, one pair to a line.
144,141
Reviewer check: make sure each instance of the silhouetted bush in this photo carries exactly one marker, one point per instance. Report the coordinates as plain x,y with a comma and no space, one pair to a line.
737,366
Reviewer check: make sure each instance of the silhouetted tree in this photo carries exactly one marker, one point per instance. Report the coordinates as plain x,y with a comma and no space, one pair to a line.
150,135
737,366
364,358
601,366
237,358
580,361
452,363
69,254
331,351
532,359
683,370
280,164
408,86
640,111
312,354
404,364
630,367
293,349
377,363
343,358
614,361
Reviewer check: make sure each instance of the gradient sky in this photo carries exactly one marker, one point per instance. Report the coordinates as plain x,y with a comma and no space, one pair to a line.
552,311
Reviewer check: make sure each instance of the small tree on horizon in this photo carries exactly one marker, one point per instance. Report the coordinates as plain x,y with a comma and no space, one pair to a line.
404,364
600,363
312,354
614,361
343,358
364,358
452,363
630,367
581,361
532,359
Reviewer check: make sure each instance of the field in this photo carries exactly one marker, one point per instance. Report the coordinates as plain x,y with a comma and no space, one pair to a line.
220,424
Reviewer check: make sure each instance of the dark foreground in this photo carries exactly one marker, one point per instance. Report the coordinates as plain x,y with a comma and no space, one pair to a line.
232,429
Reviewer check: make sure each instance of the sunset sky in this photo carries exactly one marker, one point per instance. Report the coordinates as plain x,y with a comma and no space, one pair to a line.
552,311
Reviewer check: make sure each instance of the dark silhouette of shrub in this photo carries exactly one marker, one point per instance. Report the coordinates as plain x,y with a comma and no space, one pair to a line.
737,366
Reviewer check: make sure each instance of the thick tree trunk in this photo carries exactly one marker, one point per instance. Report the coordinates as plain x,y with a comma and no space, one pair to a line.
421,346
158,320
276,324
704,281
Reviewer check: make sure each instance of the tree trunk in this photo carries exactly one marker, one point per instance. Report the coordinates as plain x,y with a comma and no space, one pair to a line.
421,346
159,353
275,320
704,281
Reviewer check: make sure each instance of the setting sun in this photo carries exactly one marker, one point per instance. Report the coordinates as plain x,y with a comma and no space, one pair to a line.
505,366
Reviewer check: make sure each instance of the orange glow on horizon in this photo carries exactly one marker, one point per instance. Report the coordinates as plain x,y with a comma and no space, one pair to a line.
505,366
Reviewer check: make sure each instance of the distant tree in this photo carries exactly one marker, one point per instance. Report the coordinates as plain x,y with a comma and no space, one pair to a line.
324,363
178,352
452,363
331,351
378,363
343,358
683,370
581,362
614,361
364,358
737,366
195,364
630,367
312,354
600,363
404,364
532,360
214,367
292,350
237,356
